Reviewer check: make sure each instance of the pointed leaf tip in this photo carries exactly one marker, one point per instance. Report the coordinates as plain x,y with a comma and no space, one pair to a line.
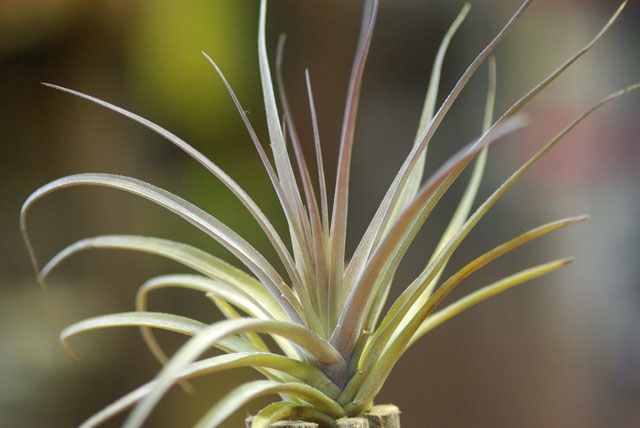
566,261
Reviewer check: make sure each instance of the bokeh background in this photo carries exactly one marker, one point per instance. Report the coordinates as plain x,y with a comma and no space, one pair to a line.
561,352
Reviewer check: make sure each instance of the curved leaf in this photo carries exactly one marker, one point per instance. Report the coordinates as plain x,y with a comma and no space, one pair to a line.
207,286
250,391
242,196
191,213
285,410
163,321
184,254
304,372
318,349
197,283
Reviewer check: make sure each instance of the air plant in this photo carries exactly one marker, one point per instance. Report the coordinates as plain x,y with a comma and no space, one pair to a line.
337,345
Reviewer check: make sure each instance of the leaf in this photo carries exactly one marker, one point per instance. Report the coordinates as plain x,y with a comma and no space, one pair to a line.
296,224
547,81
187,255
316,137
401,323
280,155
285,410
274,412
462,211
194,215
303,170
198,283
313,344
419,287
409,295
207,286
374,233
341,196
464,206
383,366
316,278
390,251
321,242
149,319
242,196
252,390
414,179
304,372
484,208
347,340
229,312
488,291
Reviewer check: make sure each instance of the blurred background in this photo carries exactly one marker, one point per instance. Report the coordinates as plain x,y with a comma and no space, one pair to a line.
561,352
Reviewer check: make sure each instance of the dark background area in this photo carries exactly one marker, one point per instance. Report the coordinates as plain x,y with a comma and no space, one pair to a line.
561,352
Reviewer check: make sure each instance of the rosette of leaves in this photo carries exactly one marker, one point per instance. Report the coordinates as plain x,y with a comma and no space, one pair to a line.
336,343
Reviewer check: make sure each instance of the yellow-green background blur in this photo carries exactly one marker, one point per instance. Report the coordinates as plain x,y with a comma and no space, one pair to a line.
562,352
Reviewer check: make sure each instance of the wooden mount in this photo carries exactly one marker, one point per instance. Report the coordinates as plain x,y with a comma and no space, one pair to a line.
383,416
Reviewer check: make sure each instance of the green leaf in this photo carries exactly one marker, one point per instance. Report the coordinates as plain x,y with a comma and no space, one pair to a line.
285,410
252,390
198,283
401,322
461,213
372,384
425,279
431,271
230,312
549,79
184,254
488,291
317,348
464,206
163,321
259,360
274,412
207,286
362,290
414,179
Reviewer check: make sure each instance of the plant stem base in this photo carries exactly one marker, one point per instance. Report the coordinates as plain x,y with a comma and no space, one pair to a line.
380,416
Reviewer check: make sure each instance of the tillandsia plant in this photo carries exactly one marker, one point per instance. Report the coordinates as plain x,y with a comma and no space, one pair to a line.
336,343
